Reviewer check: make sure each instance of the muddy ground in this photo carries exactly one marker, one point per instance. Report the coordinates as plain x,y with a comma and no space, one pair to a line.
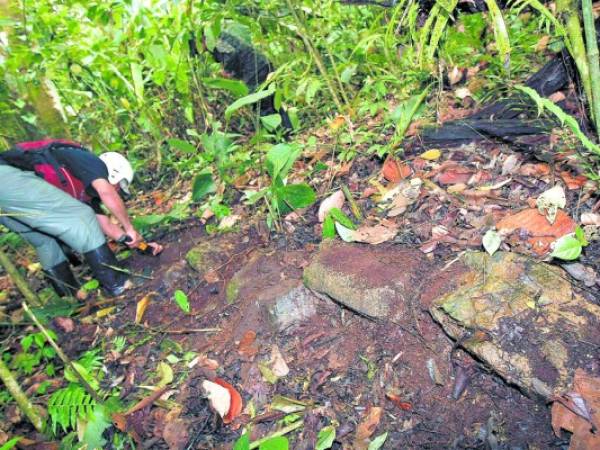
340,363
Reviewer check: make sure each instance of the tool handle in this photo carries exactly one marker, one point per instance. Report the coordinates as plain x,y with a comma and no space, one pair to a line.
142,246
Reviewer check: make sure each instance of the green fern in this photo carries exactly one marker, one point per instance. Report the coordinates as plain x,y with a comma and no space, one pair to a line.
69,404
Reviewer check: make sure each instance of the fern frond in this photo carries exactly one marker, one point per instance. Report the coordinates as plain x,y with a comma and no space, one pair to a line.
67,405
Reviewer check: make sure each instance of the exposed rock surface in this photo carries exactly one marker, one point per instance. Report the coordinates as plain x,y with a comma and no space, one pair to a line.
379,282
523,319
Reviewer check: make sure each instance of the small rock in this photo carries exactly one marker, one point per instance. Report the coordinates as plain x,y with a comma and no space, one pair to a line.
205,257
377,282
581,273
294,307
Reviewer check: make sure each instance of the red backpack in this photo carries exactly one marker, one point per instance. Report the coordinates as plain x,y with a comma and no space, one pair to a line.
37,156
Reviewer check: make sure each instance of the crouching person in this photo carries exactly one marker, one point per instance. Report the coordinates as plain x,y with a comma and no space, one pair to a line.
51,195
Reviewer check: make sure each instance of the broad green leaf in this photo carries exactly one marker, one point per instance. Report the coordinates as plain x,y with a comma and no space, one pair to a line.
378,442
182,145
254,196
182,301
339,216
491,241
143,223
243,443
280,159
567,248
203,185
236,87
325,438
294,196
271,122
91,285
94,427
276,443
248,100
328,227
165,374
138,81
346,234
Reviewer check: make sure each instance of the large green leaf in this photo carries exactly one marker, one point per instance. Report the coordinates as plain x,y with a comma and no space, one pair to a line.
325,438
280,159
181,299
275,443
248,100
294,196
203,185
567,248
181,145
236,87
271,122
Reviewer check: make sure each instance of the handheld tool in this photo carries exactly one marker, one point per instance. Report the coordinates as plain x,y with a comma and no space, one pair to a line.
143,246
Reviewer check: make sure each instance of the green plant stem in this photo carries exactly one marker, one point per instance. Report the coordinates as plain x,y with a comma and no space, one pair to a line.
593,60
65,359
282,432
570,12
353,206
315,54
18,279
33,414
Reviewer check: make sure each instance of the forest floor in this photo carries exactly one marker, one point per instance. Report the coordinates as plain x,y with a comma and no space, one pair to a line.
286,348
367,337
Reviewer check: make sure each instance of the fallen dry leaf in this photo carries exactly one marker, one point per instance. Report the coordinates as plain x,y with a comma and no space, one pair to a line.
455,175
247,346
431,155
367,427
572,181
537,170
397,400
394,170
278,365
539,232
376,234
335,200
579,412
590,219
510,164
140,308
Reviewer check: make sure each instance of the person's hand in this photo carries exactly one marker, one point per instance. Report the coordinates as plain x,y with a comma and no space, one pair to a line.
134,238
156,247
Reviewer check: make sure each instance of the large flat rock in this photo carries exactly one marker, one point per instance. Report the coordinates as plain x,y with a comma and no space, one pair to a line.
523,319
379,282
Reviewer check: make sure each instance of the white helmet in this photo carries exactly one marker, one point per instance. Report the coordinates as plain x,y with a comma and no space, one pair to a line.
119,170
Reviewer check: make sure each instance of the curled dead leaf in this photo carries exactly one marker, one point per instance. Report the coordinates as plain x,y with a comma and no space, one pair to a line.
335,200
236,403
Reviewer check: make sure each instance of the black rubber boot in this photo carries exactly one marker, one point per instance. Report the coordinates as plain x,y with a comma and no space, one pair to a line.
112,281
62,279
